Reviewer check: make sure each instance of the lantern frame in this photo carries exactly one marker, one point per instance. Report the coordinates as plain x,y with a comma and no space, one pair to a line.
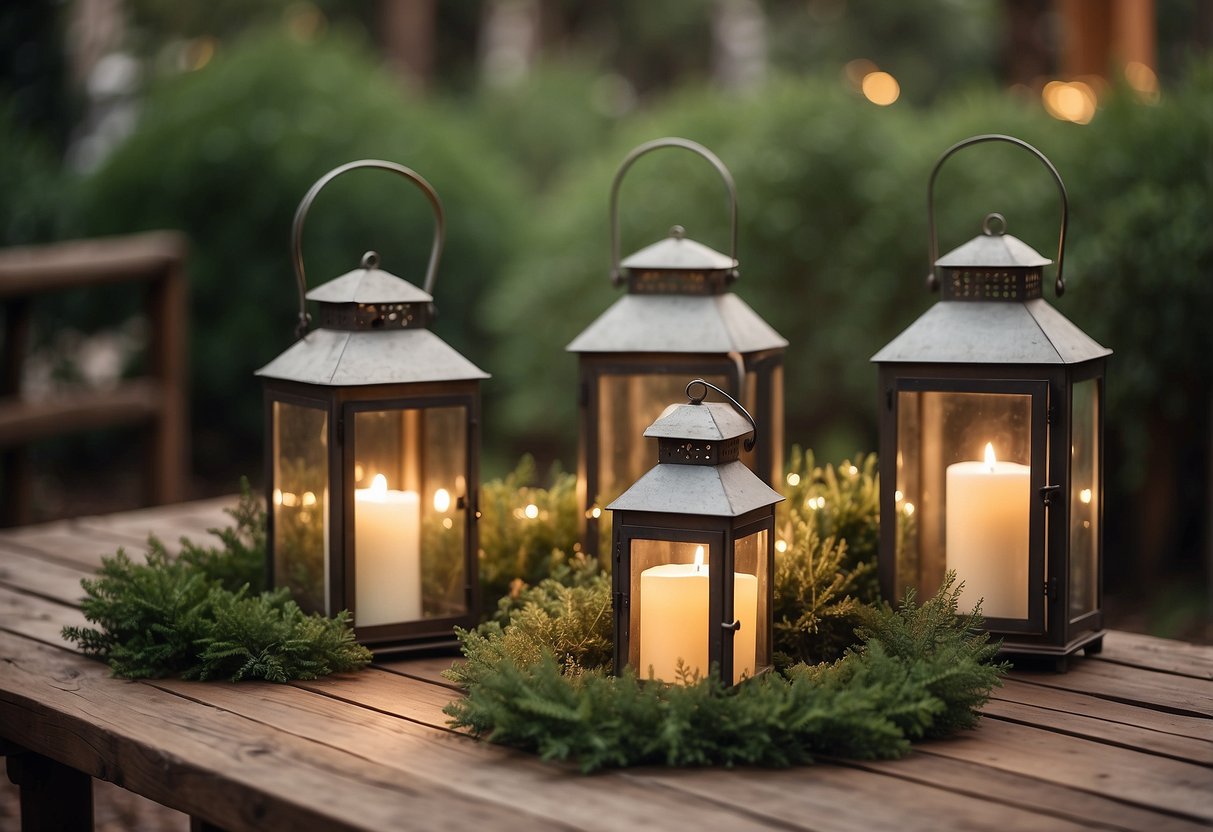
678,319
377,356
667,505
973,342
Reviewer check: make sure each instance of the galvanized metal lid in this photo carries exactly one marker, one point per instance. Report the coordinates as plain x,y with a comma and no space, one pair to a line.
994,248
728,490
340,358
706,421
369,285
717,324
678,252
1027,332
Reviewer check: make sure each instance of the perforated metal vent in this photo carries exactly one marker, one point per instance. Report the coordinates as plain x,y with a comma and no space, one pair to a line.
991,284
690,452
363,316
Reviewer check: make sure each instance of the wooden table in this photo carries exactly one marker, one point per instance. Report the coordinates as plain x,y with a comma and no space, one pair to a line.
1123,741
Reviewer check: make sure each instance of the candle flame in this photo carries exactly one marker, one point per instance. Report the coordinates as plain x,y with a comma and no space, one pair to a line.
990,460
442,500
379,485
698,557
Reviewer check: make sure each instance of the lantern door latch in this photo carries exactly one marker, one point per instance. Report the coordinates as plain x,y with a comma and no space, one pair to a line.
1047,492
734,625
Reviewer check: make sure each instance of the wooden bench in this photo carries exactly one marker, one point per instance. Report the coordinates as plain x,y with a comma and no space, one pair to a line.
1123,741
157,399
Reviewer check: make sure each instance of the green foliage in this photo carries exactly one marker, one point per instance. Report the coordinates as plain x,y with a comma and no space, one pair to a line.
920,671
516,547
194,616
830,526
226,152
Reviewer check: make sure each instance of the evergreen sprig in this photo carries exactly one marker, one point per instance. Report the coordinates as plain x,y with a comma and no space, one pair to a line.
197,615
919,671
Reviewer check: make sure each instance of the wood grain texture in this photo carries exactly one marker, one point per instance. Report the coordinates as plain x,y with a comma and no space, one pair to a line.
1134,685
37,618
212,763
22,570
1136,650
421,753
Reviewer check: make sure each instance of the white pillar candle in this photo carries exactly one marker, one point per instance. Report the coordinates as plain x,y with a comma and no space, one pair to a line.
674,619
987,534
387,555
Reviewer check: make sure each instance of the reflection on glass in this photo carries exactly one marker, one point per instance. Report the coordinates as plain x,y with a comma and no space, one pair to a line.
1084,497
964,495
752,651
301,504
409,550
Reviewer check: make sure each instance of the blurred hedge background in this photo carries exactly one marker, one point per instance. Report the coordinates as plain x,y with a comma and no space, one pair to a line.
215,117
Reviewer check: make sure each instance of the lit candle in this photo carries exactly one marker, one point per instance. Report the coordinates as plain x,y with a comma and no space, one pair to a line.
674,619
387,552
987,533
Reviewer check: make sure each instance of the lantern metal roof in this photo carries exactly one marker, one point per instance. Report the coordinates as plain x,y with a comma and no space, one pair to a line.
369,285
1015,327
708,479
707,421
678,323
678,252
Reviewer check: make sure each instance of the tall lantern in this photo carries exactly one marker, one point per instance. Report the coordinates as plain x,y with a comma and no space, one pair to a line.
678,319
694,552
372,463
991,431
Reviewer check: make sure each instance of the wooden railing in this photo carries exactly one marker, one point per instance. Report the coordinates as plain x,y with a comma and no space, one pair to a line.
156,400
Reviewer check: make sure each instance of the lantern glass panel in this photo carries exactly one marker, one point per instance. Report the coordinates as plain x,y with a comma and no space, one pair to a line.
410,489
628,404
668,619
1084,497
751,587
301,503
964,496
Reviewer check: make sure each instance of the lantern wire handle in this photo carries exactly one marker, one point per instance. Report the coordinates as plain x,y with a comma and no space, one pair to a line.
370,259
687,144
933,245
750,440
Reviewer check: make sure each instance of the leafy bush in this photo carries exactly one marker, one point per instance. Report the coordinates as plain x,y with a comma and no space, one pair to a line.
225,153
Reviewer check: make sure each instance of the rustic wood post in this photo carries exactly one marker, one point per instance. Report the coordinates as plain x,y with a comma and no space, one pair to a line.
54,797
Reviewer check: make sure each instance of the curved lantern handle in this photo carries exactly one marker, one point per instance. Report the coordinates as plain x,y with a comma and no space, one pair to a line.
370,259
933,249
694,147
752,439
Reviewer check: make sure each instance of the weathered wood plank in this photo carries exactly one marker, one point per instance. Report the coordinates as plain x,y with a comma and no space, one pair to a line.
63,543
420,753
37,618
1017,788
844,799
1188,749
1070,702
426,669
1133,685
1157,654
169,522
232,771
30,573
1152,782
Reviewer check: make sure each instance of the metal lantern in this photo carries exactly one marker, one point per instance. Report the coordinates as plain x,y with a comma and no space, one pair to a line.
678,319
372,463
693,543
991,430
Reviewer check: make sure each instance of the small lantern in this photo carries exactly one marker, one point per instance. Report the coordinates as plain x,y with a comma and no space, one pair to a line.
694,550
991,431
372,464
678,319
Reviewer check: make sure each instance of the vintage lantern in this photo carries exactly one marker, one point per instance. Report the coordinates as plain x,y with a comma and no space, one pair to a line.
678,319
693,543
991,431
372,462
